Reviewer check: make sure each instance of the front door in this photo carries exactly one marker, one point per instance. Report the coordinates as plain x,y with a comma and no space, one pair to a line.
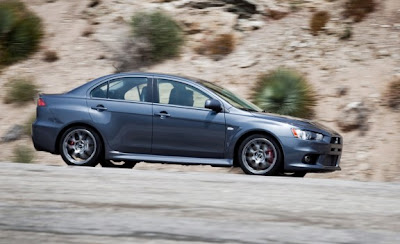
181,124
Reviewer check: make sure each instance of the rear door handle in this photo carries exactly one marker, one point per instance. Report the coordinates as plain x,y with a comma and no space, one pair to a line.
163,114
100,108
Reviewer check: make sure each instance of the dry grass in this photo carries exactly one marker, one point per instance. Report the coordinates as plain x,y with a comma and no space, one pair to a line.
50,56
392,95
217,48
276,14
318,21
358,9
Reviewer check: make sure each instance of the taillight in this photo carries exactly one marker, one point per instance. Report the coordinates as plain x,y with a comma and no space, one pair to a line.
41,102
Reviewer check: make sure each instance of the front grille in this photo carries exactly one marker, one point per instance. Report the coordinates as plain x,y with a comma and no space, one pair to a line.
330,160
336,140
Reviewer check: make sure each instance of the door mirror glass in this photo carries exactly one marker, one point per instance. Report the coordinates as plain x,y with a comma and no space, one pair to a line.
213,104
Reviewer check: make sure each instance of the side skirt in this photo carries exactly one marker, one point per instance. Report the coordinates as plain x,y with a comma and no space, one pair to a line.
114,155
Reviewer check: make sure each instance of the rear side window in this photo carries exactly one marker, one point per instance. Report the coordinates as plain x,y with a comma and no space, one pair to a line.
126,88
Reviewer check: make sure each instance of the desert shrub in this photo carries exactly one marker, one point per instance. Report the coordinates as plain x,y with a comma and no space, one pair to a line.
50,56
28,125
284,91
347,33
358,9
20,91
222,45
276,14
20,32
318,21
23,154
392,94
163,34
87,32
93,3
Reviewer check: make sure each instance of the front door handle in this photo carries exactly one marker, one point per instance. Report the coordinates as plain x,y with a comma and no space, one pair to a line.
163,114
100,108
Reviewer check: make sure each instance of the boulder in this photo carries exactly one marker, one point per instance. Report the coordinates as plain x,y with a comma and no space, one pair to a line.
354,116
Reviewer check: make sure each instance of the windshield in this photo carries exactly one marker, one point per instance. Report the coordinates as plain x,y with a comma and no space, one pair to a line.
231,98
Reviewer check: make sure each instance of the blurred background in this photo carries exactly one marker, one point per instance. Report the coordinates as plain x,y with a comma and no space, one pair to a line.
334,61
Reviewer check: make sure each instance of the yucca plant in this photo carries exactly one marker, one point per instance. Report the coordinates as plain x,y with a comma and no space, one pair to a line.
20,32
161,31
284,91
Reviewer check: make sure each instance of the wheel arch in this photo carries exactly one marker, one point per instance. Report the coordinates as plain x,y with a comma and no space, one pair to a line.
63,130
250,133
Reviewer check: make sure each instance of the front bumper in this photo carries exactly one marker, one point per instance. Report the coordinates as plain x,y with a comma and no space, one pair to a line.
325,155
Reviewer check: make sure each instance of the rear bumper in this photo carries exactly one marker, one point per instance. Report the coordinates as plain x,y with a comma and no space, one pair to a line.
325,156
44,137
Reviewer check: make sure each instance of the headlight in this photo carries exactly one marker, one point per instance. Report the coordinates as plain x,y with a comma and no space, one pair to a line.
307,135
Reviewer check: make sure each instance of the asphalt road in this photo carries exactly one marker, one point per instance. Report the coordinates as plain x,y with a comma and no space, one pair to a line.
49,204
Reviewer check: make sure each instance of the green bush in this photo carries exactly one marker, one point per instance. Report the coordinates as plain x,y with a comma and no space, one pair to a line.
20,32
162,33
286,92
358,9
318,21
23,154
20,91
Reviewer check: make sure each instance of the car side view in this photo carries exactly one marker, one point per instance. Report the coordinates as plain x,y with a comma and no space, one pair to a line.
122,119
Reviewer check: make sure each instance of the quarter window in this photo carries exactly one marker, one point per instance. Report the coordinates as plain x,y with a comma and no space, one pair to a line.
176,93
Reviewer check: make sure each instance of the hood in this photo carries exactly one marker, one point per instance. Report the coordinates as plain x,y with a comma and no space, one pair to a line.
297,122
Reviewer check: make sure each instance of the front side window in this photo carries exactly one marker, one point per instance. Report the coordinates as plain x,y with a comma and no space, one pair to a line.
126,88
176,93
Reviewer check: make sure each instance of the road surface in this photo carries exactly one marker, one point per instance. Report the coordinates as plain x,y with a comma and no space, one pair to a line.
53,204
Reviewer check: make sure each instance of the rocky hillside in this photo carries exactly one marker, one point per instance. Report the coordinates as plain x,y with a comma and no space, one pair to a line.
349,63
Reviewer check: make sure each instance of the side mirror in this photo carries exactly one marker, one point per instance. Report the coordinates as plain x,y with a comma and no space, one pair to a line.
214,105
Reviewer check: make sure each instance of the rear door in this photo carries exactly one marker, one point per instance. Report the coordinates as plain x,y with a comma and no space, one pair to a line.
121,109
182,126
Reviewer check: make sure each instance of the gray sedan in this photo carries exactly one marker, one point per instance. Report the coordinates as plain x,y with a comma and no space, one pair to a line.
122,119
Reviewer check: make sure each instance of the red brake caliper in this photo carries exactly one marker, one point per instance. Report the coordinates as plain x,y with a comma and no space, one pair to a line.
270,155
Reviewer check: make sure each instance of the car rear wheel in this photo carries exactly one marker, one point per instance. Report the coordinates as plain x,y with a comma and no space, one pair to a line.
116,164
259,155
80,146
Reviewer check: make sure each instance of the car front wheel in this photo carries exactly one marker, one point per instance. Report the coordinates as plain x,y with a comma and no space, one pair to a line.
80,146
259,155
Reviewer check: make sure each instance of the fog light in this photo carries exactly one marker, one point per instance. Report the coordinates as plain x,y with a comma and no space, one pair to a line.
310,158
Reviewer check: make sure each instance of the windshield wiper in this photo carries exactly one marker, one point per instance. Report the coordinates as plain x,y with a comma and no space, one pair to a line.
248,109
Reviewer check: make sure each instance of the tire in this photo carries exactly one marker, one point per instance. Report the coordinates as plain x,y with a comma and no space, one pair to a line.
114,164
81,146
260,155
